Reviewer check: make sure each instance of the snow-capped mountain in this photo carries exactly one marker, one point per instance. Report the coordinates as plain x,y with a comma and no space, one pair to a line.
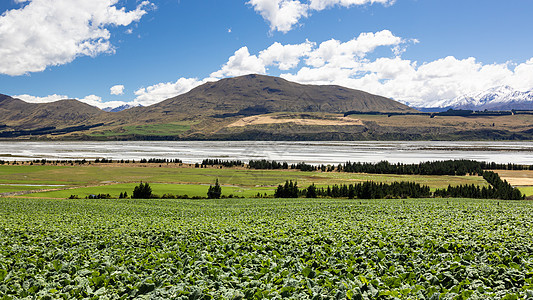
499,98
120,108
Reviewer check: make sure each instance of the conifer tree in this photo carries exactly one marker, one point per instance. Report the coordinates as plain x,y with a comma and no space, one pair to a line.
214,192
311,192
142,191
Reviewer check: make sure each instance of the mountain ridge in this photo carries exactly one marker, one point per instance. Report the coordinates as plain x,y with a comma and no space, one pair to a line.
253,107
496,98
274,94
18,113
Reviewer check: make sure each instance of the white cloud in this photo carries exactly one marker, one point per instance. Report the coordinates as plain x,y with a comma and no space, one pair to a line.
241,63
349,64
46,99
522,78
94,101
144,96
285,57
97,102
91,100
323,4
347,54
117,90
419,85
54,32
162,91
284,14
281,14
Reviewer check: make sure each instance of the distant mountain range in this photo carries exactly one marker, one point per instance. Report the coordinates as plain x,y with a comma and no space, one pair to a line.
19,114
257,107
120,108
499,98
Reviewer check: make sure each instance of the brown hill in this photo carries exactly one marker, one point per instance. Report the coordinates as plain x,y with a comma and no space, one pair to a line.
208,111
258,94
18,114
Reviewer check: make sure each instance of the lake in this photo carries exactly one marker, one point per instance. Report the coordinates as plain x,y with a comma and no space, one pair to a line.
291,152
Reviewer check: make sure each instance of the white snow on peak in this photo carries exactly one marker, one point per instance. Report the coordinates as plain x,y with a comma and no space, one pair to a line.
497,98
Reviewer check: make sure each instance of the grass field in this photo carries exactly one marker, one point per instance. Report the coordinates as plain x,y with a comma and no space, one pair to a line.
191,190
18,188
527,190
456,123
168,129
104,178
266,249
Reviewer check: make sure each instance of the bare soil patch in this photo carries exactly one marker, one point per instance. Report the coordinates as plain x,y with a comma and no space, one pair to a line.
517,178
262,119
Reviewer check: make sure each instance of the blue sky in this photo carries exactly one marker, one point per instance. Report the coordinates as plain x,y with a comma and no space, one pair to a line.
107,52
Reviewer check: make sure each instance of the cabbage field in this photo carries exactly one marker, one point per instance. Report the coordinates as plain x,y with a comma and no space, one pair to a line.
266,249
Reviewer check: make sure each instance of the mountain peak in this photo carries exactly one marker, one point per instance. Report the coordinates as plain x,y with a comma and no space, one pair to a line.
120,108
496,98
262,94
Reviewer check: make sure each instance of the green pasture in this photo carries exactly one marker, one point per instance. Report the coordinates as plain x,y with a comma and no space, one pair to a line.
191,190
527,190
102,174
168,129
158,129
20,188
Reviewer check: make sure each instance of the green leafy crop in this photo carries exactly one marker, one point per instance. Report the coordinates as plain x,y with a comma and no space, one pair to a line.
266,249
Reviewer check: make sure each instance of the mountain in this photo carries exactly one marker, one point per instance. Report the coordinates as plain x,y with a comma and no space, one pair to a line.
256,107
212,110
499,98
258,94
18,114
120,108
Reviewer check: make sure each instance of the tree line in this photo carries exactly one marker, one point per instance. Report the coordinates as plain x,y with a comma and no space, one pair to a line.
220,162
448,167
264,164
363,190
498,189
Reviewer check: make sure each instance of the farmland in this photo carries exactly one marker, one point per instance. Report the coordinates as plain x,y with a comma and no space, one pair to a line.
266,248
52,247
173,178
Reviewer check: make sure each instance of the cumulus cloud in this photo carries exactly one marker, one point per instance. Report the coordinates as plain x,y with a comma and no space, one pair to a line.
419,84
54,32
285,57
241,63
282,15
349,63
144,96
46,99
162,91
117,90
323,4
92,100
347,54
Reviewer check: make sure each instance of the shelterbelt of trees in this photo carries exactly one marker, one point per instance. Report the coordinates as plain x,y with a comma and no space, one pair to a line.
364,190
447,167
498,189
